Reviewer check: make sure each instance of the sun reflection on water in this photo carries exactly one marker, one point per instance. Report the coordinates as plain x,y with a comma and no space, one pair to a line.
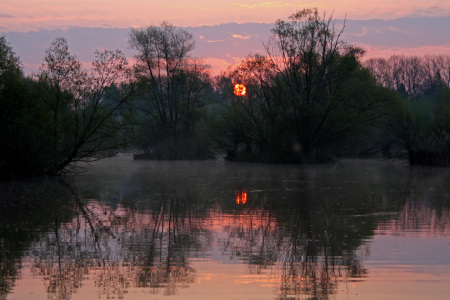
241,196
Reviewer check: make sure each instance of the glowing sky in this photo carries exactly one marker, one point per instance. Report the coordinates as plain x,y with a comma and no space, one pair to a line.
26,15
31,25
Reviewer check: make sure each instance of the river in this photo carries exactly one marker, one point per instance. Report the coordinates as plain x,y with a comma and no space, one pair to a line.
124,229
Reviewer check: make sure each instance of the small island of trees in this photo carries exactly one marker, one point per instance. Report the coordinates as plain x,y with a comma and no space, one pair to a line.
310,99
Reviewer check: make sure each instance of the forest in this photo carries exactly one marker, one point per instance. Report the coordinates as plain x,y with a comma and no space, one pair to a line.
311,98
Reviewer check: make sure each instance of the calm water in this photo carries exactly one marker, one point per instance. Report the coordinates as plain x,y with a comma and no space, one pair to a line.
202,230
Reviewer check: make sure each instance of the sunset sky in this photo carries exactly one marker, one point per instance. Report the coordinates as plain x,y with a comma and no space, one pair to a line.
26,15
30,25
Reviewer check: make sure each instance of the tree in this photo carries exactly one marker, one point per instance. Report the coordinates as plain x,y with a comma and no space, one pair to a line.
412,76
253,120
9,64
327,95
173,88
64,115
310,95
420,121
83,104
22,139
422,127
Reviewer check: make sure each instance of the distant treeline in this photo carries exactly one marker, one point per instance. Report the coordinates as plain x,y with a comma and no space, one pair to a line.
309,99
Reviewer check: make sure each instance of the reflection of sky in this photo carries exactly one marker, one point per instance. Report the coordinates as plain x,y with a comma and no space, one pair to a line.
399,263
409,248
398,268
404,267
410,252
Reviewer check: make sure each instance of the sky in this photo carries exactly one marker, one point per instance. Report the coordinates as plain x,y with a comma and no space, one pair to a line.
225,30
26,15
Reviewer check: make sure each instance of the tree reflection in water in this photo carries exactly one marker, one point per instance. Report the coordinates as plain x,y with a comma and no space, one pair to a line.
302,235
121,248
300,260
27,211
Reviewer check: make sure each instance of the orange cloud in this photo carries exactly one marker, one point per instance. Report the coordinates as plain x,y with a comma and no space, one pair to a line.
241,37
26,15
265,4
218,65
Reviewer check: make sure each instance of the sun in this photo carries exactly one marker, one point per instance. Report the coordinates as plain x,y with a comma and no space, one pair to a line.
240,89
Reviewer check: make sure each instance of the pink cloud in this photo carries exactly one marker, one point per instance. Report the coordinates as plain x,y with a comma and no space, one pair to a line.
374,51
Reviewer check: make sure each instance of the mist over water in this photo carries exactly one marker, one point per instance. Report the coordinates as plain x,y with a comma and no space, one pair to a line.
200,229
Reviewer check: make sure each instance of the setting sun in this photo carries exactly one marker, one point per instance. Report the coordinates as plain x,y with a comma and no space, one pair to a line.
240,89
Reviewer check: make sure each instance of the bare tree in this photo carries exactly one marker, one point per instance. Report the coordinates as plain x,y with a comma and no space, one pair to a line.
412,76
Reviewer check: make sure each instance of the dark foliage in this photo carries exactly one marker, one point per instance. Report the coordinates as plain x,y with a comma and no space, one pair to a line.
63,116
307,99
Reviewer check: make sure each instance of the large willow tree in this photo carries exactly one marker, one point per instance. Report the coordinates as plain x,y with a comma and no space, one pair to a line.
325,93
307,99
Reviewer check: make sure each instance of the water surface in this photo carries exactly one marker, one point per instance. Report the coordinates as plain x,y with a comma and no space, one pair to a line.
201,230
